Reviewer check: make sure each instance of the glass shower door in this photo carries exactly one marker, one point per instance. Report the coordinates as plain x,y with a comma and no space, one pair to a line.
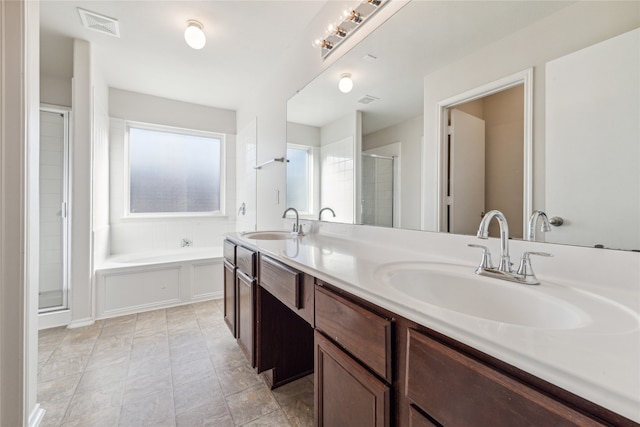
377,190
54,167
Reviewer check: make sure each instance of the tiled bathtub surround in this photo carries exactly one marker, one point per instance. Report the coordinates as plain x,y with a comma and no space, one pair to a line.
172,367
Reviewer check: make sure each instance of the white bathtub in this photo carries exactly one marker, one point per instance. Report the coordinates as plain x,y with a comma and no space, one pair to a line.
131,283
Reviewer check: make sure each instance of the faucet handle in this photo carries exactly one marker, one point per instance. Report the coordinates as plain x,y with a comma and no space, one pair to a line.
485,262
525,270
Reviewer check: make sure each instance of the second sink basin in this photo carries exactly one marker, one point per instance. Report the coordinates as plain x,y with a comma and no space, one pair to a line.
547,306
268,235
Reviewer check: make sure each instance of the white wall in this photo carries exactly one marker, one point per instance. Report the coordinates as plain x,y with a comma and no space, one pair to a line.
568,30
55,90
80,273
246,147
100,175
409,135
146,234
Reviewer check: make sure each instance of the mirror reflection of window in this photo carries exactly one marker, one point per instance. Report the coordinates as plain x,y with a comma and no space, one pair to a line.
299,177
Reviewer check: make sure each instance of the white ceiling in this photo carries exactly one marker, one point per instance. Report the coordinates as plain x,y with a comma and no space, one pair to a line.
244,41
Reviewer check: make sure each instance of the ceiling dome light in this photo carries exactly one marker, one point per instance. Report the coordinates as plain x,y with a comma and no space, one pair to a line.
194,36
345,84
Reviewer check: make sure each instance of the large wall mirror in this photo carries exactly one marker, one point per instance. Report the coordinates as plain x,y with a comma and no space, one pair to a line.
458,108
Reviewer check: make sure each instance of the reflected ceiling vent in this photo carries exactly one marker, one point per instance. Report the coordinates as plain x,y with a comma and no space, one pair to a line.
367,99
100,23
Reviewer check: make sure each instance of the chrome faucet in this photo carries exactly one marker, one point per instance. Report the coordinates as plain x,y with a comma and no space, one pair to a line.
524,273
533,221
483,233
297,228
325,209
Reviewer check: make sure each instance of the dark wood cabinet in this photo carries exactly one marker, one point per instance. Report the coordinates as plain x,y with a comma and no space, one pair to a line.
230,297
229,252
457,390
374,368
364,334
245,292
347,394
245,301
284,322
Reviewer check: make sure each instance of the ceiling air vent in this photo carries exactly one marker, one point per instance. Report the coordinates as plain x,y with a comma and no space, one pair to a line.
100,23
367,99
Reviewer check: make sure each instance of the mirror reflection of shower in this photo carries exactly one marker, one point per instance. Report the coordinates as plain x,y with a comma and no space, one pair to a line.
378,192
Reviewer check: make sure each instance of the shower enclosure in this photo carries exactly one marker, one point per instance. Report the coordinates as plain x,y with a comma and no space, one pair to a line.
54,183
377,190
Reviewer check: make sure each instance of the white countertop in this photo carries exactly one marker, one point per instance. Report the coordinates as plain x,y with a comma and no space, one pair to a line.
592,362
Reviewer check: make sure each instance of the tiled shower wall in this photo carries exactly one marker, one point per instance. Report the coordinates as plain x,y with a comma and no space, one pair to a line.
338,178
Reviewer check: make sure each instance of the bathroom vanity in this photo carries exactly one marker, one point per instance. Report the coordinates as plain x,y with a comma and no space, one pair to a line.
328,304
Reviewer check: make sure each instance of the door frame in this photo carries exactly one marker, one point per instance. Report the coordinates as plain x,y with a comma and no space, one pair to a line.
524,78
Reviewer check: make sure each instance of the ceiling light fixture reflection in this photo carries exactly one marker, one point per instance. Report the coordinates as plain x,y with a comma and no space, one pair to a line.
345,84
194,35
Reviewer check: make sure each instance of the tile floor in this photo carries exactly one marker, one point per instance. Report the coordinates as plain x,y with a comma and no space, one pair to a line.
172,367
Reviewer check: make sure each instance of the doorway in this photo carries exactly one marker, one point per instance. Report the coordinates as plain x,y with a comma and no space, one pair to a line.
54,208
486,138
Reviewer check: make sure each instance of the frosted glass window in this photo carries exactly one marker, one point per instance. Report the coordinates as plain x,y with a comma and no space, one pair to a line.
299,178
175,173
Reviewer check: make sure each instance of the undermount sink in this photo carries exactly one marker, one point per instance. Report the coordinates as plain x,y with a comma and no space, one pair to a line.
547,306
268,235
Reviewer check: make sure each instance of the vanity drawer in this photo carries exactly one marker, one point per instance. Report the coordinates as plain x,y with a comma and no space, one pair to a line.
246,261
282,281
364,334
229,251
456,389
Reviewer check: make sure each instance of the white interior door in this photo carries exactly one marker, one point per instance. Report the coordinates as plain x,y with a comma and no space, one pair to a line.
581,134
466,172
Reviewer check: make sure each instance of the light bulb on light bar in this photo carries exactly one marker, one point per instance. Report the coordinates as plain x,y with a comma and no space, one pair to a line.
374,2
194,36
355,17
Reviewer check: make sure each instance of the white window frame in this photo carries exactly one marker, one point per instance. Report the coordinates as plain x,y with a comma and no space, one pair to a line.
183,131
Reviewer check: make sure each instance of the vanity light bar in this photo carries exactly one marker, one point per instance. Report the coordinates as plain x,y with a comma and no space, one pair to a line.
350,20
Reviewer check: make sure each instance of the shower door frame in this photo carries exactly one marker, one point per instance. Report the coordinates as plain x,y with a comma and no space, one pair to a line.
65,206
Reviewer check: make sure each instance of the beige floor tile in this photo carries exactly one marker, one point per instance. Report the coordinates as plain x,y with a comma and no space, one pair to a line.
187,372
274,419
177,366
237,378
103,377
62,366
251,404
214,414
196,394
58,389
100,407
300,411
152,410
54,412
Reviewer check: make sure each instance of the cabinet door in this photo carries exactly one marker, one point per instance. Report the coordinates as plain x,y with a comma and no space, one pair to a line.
346,394
230,297
245,291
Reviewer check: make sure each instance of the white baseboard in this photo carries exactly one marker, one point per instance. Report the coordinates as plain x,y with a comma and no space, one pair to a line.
35,418
54,319
80,323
